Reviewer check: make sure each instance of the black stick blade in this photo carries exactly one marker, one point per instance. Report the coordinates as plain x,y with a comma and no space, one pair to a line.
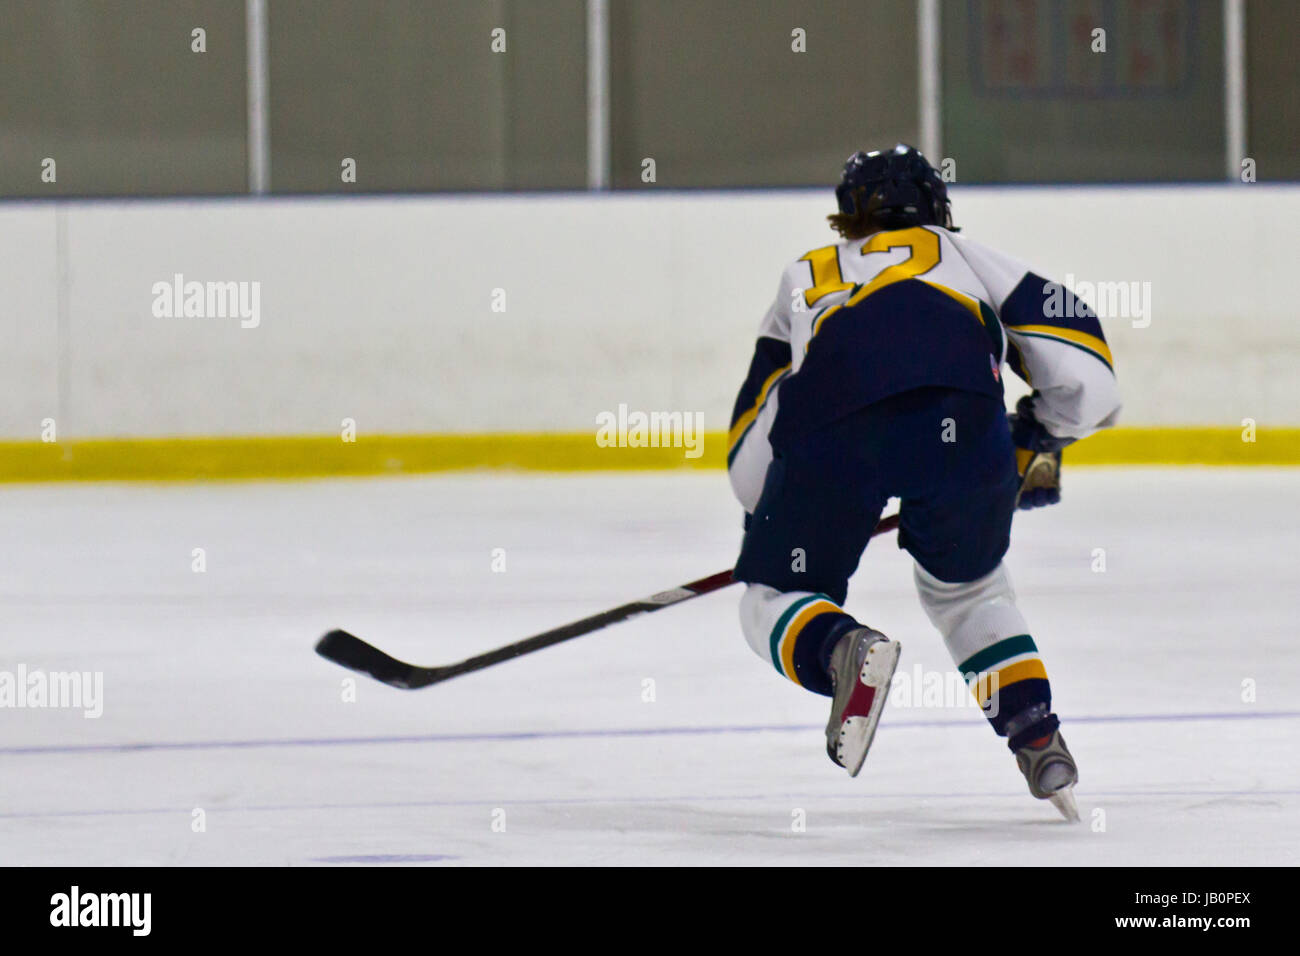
355,654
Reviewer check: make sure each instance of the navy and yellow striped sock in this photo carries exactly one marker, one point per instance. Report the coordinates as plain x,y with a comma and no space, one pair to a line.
1008,679
803,639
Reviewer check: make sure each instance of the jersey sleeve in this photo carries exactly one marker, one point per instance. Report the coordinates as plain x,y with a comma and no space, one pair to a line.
1054,342
748,450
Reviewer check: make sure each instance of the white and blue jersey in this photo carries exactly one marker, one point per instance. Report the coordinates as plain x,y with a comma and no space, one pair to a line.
865,319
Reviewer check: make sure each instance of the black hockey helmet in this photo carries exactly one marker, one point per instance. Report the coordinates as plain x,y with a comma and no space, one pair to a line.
899,187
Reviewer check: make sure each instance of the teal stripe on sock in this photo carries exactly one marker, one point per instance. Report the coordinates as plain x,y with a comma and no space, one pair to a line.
781,624
1001,651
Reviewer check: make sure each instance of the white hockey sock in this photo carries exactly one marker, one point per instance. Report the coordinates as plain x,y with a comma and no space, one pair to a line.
988,639
773,620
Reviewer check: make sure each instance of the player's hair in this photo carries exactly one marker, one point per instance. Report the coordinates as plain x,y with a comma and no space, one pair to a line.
869,217
863,221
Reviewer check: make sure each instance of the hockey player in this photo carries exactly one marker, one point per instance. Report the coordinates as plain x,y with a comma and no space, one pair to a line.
877,374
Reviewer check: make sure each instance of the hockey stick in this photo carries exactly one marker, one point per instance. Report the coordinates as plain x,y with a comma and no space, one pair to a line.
354,653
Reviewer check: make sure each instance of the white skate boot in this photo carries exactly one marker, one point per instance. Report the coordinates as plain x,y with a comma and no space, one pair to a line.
862,665
1051,773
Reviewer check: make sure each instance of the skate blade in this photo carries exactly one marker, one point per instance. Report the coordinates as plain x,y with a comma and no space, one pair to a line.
1063,800
856,733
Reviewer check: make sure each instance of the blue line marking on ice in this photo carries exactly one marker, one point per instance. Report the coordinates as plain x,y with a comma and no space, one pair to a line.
1015,793
507,737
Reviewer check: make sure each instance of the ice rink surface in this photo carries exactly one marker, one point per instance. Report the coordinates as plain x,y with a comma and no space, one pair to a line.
663,740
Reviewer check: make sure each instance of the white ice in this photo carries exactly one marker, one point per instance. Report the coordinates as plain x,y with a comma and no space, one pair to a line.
1176,671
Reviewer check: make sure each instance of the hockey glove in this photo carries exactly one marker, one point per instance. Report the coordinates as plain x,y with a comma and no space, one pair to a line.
1038,457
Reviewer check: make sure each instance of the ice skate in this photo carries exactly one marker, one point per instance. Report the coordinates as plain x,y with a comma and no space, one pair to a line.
862,665
1051,773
